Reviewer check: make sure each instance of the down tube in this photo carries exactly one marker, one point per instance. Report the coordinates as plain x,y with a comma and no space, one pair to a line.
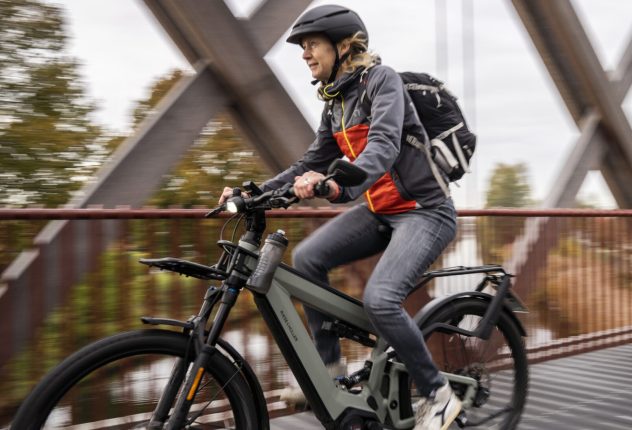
324,299
334,399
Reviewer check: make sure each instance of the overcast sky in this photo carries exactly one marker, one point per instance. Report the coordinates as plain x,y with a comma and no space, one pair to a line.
516,110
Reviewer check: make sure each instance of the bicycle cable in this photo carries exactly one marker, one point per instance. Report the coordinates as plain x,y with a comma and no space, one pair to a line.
221,233
232,239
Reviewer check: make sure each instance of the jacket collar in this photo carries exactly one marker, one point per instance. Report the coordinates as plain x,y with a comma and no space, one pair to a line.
340,85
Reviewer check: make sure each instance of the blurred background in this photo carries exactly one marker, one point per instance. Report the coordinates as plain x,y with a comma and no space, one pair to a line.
85,87
111,62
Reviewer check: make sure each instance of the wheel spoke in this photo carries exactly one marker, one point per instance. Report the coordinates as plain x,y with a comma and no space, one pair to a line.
498,363
195,417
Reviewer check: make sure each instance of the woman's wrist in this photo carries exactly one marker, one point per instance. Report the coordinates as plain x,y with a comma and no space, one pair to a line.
334,190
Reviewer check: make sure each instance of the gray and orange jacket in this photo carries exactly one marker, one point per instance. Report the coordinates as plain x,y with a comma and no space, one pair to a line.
371,133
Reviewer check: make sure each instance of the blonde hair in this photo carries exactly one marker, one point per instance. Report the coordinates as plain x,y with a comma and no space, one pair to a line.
360,56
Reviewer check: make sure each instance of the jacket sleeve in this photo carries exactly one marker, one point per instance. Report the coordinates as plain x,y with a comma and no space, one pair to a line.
318,157
385,91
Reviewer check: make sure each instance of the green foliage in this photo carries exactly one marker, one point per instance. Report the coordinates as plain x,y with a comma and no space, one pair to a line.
509,187
48,145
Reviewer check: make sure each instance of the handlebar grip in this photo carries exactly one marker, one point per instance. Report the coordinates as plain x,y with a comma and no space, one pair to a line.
321,189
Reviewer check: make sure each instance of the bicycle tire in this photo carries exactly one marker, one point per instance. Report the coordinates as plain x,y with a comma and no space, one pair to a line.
500,363
76,379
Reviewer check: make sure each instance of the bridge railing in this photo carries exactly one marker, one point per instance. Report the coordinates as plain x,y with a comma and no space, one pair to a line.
580,297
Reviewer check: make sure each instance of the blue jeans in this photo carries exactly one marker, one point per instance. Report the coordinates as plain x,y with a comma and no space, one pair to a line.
416,239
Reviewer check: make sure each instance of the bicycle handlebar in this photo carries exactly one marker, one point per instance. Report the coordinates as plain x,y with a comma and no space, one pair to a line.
343,172
282,197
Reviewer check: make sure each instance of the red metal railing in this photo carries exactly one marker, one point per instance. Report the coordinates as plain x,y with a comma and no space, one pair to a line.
300,212
576,280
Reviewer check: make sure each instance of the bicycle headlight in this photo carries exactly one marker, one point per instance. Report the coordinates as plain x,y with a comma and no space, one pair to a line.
235,205
232,207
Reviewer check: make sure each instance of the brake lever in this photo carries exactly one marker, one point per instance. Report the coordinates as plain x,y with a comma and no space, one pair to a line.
215,211
283,202
283,197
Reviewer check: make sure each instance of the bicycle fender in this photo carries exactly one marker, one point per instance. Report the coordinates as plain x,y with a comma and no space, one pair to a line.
253,383
429,310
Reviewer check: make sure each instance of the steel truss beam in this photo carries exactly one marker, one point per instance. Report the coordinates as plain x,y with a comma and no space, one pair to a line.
593,98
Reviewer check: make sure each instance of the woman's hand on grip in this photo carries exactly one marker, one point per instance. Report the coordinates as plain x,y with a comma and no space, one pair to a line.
304,186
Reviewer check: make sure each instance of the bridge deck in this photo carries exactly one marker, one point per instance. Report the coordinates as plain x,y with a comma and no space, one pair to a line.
588,391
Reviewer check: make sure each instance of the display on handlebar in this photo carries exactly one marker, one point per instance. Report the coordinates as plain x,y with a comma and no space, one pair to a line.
252,188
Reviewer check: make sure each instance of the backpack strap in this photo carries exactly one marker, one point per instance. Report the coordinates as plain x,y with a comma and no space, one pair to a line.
450,131
457,146
429,88
459,153
413,141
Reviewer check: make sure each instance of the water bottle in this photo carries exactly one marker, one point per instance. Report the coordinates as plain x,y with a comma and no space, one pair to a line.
269,259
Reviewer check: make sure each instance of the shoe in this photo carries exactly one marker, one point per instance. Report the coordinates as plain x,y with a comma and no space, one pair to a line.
293,395
438,411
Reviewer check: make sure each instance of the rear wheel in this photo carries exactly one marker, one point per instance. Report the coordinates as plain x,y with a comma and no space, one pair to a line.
499,364
116,383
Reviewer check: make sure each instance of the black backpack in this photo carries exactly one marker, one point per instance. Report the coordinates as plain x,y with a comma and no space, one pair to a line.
452,143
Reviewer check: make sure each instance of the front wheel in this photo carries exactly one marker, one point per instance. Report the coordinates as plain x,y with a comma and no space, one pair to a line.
498,364
117,382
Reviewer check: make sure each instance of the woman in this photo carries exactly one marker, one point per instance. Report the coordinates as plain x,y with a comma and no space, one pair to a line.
367,118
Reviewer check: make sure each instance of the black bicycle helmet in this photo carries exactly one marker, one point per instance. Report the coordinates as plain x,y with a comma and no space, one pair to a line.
336,22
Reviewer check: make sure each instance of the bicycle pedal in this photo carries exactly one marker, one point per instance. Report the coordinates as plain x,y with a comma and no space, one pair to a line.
461,420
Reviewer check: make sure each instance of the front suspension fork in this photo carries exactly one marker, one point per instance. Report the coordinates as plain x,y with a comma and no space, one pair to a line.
192,381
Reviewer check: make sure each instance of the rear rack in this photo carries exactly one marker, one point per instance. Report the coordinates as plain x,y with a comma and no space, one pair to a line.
464,270
495,274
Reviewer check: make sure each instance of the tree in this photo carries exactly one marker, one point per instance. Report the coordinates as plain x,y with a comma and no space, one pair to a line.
48,144
509,186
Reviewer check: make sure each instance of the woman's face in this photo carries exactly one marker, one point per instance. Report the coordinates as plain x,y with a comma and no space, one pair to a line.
319,55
